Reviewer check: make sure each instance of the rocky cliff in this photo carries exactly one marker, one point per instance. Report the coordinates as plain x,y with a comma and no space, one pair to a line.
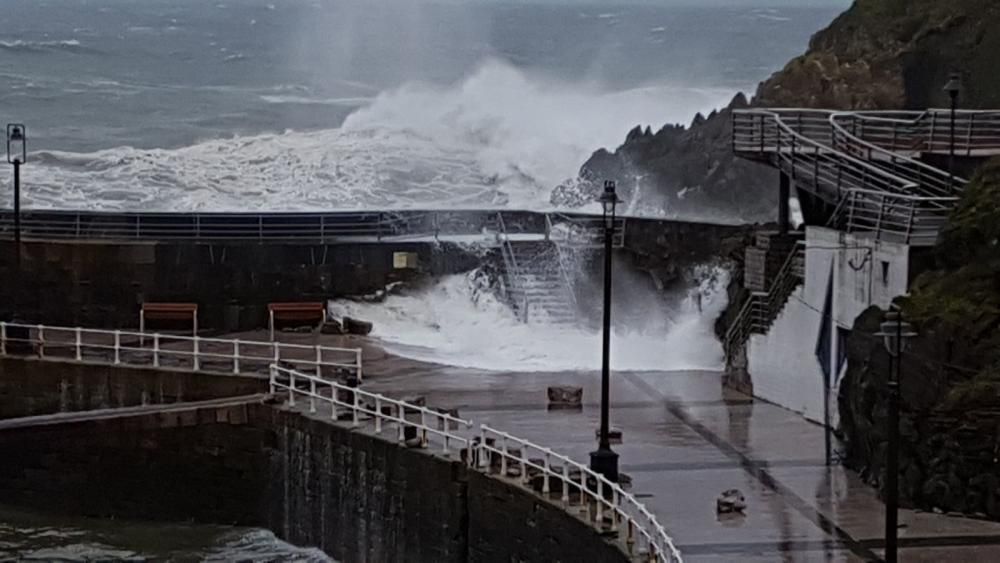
879,54
950,457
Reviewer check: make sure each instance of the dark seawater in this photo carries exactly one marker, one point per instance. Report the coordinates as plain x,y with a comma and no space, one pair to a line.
306,104
26,536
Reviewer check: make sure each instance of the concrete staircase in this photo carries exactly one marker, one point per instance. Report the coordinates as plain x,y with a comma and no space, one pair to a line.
537,286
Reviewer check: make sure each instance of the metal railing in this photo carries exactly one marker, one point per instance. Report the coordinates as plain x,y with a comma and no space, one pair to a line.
607,506
762,308
893,217
928,180
156,350
325,227
355,405
977,132
555,477
582,231
826,160
514,288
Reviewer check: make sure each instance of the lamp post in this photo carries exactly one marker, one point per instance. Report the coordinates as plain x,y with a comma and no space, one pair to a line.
895,333
17,154
954,88
605,461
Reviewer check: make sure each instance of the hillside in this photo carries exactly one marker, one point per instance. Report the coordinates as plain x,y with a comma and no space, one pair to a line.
879,54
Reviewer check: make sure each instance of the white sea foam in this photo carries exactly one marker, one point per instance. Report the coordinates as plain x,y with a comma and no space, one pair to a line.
451,324
500,138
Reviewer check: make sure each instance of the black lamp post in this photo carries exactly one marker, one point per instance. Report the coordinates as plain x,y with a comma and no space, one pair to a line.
605,461
17,154
895,333
954,88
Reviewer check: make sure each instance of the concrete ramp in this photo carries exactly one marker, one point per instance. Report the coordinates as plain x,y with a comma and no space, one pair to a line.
186,413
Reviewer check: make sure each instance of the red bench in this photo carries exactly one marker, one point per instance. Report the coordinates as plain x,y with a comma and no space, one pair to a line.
169,312
306,311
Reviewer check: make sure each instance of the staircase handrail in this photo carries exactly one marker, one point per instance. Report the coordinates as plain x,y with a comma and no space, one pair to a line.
510,263
930,130
773,300
929,180
563,270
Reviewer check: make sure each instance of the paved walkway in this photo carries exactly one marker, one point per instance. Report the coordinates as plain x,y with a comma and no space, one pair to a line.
685,441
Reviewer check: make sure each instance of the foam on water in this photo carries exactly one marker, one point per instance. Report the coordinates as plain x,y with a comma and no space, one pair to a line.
499,138
451,323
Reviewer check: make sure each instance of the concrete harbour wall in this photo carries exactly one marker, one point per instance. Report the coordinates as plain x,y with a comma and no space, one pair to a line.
359,497
32,387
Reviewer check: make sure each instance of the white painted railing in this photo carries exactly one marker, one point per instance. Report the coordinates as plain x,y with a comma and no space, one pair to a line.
194,353
556,477
355,404
606,504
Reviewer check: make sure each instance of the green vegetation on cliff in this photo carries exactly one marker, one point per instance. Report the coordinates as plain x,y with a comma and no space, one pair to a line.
951,375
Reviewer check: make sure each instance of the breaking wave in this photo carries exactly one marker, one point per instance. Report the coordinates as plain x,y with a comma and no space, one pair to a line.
22,46
499,138
452,324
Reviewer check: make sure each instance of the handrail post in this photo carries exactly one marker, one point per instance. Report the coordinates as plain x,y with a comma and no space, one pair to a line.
312,395
545,479
358,353
156,349
423,427
41,341
401,424
354,418
273,380
378,414
600,502
196,353
503,455
3,338
277,351
291,387
118,347
79,344
236,356
319,360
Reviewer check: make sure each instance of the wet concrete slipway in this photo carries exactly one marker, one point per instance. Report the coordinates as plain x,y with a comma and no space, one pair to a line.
685,440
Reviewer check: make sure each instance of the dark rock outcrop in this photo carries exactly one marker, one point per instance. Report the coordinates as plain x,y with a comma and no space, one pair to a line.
950,424
879,54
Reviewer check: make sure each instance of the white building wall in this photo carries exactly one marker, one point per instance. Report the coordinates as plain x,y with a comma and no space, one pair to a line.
783,363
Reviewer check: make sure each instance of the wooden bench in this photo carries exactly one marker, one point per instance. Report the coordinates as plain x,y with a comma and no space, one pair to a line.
305,311
169,312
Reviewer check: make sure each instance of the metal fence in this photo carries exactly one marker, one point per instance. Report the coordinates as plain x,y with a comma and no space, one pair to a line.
823,157
191,353
557,478
330,227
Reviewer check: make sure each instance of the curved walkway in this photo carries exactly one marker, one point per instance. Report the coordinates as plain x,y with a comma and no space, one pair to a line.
867,163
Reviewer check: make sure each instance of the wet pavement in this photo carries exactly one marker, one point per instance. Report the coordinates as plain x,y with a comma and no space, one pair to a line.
685,441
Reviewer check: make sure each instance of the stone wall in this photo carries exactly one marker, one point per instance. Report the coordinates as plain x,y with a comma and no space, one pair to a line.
358,497
102,284
32,387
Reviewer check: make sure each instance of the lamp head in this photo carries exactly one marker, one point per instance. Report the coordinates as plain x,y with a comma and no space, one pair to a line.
954,85
895,333
16,145
609,198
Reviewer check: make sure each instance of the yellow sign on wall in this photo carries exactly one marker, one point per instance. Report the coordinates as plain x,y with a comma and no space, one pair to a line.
404,260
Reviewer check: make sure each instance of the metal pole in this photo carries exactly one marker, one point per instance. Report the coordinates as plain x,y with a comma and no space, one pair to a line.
17,240
951,157
892,464
606,349
604,461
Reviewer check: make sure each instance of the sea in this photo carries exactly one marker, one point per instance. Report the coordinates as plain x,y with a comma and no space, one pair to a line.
319,105
184,105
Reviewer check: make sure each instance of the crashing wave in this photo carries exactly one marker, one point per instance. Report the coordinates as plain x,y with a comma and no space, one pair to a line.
500,138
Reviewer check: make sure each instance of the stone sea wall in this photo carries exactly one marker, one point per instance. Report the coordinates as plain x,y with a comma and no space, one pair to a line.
102,284
31,387
357,496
